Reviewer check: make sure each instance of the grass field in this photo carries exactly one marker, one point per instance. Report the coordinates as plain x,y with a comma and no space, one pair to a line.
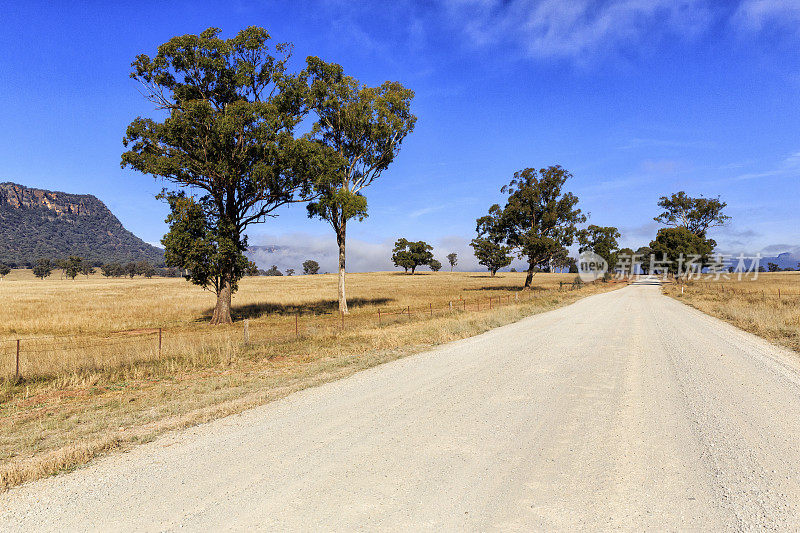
768,306
98,389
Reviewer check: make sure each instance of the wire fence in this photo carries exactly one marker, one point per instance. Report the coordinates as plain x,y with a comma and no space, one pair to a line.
47,356
779,293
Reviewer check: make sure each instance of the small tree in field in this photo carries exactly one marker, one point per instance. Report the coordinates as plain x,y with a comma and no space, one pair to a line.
601,240
228,137
452,258
310,267
4,270
491,254
359,130
87,269
539,218
409,255
73,267
435,265
290,272
43,268
273,271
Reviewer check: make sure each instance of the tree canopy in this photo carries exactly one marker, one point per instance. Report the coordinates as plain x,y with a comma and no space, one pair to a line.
310,267
601,240
409,255
539,218
228,136
678,246
695,214
358,132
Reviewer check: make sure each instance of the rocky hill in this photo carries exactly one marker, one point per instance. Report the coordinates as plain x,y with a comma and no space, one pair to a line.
35,223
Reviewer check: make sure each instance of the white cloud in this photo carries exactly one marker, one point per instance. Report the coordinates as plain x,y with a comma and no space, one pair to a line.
757,14
790,166
578,28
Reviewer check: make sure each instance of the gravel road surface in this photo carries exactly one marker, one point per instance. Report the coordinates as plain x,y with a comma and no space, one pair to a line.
625,410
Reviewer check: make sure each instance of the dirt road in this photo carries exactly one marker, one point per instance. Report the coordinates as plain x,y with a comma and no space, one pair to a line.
625,410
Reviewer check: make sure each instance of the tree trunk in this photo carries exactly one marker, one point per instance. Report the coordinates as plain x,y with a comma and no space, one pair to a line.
493,272
340,239
412,270
222,311
529,277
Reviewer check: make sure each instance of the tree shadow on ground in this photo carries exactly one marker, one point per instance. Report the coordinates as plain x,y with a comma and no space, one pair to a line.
505,288
319,307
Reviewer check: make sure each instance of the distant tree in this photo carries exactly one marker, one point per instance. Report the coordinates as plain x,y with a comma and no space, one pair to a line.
643,255
773,267
273,271
108,269
61,264
761,268
628,255
229,136
310,267
290,272
679,244
601,240
409,255
42,269
132,269
87,269
359,131
452,258
251,269
539,218
491,254
435,265
4,270
560,261
695,214
147,269
513,269
73,267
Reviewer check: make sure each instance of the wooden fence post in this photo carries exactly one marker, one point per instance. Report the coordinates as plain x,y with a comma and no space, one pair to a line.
430,306
408,308
159,343
379,318
16,372
297,324
451,306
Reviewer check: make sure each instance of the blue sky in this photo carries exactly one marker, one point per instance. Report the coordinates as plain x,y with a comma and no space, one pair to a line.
637,98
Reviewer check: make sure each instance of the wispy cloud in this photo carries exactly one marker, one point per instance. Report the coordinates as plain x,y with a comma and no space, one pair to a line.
790,166
757,15
579,28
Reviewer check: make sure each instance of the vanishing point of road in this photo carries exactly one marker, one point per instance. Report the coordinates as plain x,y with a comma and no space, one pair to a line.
626,410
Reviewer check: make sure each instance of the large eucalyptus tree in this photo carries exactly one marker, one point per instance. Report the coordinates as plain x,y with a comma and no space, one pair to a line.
226,116
358,131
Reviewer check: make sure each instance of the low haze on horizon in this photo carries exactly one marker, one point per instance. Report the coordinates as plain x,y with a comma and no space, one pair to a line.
637,99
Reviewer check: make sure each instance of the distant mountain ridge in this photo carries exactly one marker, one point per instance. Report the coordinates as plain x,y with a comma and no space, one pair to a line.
37,223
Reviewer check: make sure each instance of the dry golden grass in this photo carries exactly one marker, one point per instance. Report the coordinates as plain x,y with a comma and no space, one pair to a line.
75,404
768,306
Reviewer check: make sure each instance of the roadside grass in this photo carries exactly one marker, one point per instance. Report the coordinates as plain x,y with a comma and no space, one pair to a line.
768,306
64,417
